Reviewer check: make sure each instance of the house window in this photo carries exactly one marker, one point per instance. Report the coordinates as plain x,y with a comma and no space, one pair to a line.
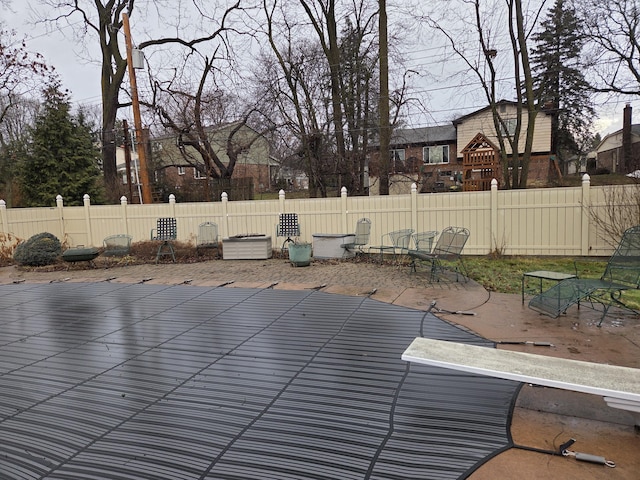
510,124
397,159
181,170
197,173
436,154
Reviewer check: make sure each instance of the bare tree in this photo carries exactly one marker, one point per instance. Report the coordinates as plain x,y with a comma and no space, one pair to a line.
483,59
325,61
21,72
104,21
612,29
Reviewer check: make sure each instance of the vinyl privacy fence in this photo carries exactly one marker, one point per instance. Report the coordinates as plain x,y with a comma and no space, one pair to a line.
550,221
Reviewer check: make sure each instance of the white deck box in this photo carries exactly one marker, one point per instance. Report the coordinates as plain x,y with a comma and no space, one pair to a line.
247,247
328,245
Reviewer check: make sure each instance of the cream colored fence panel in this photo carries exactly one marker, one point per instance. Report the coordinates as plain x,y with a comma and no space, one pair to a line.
553,221
611,204
468,209
387,214
26,222
247,217
75,228
190,215
108,220
318,215
540,221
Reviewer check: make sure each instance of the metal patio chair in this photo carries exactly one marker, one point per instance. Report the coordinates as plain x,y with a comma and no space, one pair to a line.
117,245
166,231
288,226
448,248
207,237
621,273
361,237
396,242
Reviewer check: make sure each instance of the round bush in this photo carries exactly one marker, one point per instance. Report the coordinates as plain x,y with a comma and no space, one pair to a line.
41,249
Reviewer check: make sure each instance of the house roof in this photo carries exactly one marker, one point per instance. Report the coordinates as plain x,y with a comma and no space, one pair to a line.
488,107
424,135
635,131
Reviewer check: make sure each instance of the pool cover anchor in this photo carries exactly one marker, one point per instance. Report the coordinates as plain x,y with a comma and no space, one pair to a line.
584,457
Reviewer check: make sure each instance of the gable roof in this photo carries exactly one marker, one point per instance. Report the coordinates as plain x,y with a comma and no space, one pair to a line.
488,107
635,132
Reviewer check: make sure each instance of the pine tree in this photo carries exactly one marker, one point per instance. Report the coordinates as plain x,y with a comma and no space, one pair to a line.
560,85
62,158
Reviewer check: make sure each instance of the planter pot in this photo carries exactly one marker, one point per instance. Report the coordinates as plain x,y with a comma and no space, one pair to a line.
300,254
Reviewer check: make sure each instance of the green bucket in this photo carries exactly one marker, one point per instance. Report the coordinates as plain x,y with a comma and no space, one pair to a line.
300,254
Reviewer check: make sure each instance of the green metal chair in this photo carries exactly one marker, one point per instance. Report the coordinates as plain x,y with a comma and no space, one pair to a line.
621,273
448,248
117,245
394,243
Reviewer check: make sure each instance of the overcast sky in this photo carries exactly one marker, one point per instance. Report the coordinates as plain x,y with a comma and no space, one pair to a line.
83,79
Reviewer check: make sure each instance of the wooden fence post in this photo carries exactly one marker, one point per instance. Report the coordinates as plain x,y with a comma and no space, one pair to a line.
86,200
586,192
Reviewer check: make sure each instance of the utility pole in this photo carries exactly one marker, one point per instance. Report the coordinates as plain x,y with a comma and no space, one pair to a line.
383,105
127,156
142,157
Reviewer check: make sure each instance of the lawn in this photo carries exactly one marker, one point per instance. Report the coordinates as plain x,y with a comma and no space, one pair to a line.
504,274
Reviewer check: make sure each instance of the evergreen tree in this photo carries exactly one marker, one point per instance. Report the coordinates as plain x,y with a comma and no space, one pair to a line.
62,158
560,85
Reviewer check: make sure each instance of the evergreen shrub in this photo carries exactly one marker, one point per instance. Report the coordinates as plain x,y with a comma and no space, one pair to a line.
41,249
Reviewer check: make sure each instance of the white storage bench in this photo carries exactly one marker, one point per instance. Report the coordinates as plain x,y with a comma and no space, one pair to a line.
247,247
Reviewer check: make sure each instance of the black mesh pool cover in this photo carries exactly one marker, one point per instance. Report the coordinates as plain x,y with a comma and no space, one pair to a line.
121,381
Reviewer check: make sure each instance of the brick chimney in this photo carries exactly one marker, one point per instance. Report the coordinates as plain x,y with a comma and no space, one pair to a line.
627,160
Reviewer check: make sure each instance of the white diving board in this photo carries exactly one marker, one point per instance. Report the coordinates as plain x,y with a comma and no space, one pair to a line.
620,386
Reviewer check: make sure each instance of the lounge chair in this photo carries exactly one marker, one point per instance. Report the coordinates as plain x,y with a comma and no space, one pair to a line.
621,273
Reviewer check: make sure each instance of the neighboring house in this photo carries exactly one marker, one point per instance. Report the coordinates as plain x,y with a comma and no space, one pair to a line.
254,162
425,156
479,150
464,154
610,153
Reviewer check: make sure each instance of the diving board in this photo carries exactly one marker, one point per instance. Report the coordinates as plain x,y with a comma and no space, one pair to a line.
619,386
